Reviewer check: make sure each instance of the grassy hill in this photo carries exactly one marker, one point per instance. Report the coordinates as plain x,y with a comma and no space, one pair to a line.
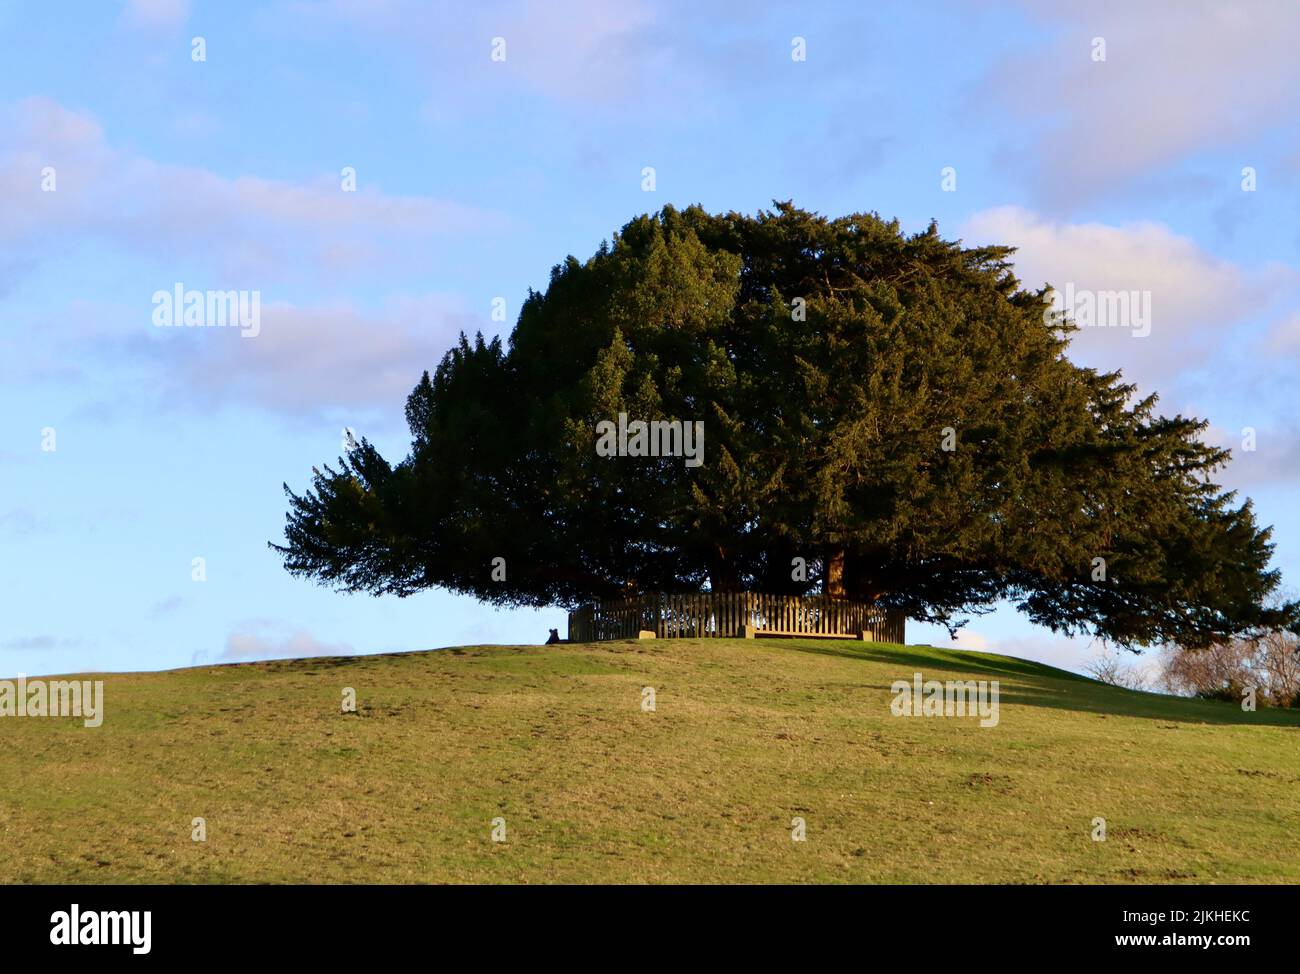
745,737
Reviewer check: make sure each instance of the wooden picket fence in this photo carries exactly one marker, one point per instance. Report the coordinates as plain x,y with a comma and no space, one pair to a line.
706,614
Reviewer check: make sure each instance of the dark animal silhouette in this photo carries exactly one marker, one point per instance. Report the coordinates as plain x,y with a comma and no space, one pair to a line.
555,637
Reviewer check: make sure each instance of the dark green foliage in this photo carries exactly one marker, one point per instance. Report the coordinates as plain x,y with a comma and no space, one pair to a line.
823,436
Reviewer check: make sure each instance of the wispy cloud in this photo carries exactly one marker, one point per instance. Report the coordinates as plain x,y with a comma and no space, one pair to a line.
42,642
305,363
156,14
1180,76
249,228
255,642
589,51
1196,298
22,522
167,605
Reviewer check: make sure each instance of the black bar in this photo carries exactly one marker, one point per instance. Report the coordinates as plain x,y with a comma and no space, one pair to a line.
333,924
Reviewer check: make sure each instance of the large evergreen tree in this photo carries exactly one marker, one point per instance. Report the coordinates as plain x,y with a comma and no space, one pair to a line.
896,410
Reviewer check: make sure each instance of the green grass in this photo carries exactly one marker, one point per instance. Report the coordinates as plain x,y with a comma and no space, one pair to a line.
747,735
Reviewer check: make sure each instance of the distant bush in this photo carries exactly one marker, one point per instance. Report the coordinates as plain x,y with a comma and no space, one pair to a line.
1108,668
1224,671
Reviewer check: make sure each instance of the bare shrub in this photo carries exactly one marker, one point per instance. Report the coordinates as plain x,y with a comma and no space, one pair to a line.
1108,668
1269,664
1279,661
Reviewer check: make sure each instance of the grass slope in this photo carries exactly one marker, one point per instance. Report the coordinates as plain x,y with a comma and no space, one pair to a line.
746,736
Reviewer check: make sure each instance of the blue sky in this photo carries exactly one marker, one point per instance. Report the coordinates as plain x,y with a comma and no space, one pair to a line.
475,176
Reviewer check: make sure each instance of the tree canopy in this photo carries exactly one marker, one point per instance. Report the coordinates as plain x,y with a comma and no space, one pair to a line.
894,409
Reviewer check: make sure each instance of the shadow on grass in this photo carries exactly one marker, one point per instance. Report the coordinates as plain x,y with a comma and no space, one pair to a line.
1040,685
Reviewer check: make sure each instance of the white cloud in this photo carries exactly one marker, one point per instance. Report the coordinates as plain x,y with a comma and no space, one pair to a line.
40,643
30,642
157,14
1285,337
1180,76
167,605
306,362
1196,298
1041,646
246,233
606,50
1273,461
1063,652
1223,344
253,642
969,639
22,522
309,361
584,51
250,228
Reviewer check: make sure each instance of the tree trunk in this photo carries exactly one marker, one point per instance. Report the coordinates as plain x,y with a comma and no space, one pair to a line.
723,576
833,585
